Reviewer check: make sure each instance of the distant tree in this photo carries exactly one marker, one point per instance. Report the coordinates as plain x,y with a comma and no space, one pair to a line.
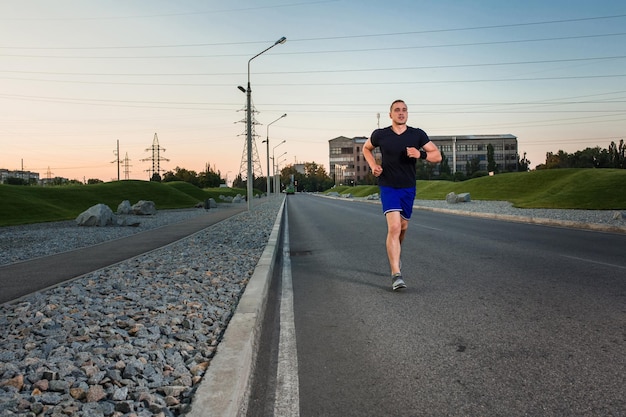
613,157
260,183
617,155
459,176
558,160
472,166
492,166
94,181
210,178
523,164
424,170
238,182
16,181
287,172
314,178
587,158
445,172
181,174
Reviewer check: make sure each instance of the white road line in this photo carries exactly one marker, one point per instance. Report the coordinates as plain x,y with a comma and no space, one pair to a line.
594,262
287,398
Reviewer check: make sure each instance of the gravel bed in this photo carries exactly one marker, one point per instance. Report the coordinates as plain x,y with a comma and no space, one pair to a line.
133,339
20,243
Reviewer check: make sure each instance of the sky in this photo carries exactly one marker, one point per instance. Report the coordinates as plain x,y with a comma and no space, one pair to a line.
77,77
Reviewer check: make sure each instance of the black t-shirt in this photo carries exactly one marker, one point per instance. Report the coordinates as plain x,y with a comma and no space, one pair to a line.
398,168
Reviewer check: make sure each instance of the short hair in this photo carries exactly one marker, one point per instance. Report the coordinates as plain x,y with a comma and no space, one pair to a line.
394,102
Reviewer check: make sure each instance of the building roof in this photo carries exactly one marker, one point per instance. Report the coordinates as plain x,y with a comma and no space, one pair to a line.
357,139
474,137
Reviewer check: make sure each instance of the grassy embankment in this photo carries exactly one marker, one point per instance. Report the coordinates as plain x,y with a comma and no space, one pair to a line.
23,205
593,189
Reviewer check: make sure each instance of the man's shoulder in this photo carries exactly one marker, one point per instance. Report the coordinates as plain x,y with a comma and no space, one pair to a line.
380,133
416,130
381,130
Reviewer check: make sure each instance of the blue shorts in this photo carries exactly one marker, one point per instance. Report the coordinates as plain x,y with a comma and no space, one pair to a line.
398,199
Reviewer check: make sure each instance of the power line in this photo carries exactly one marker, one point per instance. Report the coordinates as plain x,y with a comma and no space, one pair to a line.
372,35
237,10
427,67
340,51
229,106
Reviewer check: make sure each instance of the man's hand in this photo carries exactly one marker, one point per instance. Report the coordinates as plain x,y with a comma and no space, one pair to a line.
413,153
377,170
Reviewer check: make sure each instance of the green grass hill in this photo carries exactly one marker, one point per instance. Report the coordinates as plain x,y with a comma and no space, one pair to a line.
593,189
31,204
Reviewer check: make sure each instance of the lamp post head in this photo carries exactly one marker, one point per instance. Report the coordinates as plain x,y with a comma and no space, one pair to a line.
243,90
281,40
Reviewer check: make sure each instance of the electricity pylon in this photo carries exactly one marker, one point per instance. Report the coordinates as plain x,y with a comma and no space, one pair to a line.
126,167
257,171
156,157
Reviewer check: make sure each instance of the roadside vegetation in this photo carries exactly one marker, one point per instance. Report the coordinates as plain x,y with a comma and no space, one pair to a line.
28,204
593,189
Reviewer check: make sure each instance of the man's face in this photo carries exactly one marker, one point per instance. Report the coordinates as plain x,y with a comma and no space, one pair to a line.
399,113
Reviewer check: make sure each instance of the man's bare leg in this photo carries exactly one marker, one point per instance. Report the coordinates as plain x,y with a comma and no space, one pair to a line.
396,229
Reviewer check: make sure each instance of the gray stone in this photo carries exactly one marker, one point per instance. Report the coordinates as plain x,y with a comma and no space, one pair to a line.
451,198
209,203
374,196
58,385
120,394
99,215
127,222
144,208
124,208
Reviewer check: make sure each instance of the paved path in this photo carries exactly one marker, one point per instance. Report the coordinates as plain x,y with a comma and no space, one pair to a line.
22,278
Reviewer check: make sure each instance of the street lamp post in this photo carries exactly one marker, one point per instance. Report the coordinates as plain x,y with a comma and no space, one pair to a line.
274,163
277,174
248,92
267,142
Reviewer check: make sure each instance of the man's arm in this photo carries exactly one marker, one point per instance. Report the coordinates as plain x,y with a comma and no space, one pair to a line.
369,157
432,153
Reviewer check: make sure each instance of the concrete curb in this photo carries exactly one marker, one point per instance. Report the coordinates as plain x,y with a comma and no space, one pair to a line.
531,220
225,387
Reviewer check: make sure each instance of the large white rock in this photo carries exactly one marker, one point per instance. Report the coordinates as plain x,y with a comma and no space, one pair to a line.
124,208
99,215
143,207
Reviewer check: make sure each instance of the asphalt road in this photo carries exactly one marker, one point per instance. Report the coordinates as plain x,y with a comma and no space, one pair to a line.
499,318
